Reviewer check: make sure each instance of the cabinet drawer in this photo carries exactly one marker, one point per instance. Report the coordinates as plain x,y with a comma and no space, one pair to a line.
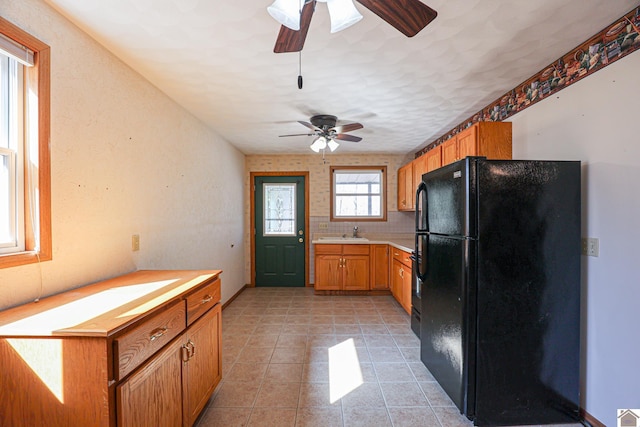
402,256
355,249
328,249
202,300
137,345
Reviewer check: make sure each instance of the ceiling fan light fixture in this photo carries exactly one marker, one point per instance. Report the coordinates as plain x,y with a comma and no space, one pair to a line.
286,12
332,144
343,14
320,143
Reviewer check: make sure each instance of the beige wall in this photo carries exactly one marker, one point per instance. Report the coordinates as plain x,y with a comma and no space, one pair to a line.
319,183
125,160
595,121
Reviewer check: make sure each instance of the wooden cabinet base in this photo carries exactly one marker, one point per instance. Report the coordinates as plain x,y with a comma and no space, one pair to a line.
341,268
139,350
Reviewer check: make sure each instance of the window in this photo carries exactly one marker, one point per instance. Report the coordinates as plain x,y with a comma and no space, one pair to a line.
25,194
358,193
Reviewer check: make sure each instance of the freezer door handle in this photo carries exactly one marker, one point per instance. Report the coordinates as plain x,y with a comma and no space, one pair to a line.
422,229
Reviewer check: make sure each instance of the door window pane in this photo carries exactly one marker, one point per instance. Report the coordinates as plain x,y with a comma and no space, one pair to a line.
279,209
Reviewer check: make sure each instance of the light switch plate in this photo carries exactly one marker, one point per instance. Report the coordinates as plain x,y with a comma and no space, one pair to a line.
135,242
590,246
323,225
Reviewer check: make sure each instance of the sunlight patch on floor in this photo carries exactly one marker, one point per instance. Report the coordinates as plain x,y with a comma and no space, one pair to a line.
345,374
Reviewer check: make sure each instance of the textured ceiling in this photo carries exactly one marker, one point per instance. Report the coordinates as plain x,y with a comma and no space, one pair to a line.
215,58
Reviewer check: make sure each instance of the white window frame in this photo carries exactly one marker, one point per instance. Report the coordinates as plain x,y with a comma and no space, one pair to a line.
12,147
381,170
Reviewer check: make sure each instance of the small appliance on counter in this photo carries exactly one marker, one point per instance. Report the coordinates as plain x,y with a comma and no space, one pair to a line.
499,249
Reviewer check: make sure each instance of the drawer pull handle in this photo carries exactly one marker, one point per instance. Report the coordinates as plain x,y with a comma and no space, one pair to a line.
206,299
157,333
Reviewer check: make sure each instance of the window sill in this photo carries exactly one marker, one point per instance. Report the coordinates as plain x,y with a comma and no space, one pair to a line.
22,258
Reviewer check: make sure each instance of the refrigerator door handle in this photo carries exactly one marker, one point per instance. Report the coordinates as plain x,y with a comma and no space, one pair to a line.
422,229
421,267
422,220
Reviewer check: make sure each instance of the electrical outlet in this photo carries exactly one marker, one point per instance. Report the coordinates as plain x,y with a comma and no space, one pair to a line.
590,246
135,242
323,225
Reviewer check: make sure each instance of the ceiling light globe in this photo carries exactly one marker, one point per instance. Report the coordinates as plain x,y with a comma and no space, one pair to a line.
319,144
286,12
343,14
333,144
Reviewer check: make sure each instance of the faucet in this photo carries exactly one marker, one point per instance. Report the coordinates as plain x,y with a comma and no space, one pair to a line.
355,231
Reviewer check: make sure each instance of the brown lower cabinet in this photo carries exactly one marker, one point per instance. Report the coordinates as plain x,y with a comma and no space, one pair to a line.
379,267
401,278
194,358
341,267
139,350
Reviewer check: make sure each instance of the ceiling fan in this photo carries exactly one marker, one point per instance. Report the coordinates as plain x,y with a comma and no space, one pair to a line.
323,126
407,16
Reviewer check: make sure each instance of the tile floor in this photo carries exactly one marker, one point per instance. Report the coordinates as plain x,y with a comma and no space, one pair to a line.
291,358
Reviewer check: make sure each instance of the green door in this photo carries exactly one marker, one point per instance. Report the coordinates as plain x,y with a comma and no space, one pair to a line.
280,231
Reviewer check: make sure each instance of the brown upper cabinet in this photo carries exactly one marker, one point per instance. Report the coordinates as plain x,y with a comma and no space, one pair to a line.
488,139
405,188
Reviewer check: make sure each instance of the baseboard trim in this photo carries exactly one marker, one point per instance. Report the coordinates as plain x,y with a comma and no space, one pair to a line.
365,293
234,296
590,418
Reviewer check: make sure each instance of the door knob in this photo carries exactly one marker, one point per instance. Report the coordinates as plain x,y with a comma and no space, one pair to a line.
300,240
300,232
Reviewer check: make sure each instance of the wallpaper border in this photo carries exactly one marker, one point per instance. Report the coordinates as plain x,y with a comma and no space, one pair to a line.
614,42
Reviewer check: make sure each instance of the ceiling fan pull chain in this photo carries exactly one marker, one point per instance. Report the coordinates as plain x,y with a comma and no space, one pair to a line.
300,70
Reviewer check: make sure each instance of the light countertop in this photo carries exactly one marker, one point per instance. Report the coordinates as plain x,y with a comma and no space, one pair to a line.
403,242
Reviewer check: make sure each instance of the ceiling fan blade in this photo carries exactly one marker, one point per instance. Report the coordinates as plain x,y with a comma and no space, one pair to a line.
347,128
309,125
298,134
293,41
347,137
407,16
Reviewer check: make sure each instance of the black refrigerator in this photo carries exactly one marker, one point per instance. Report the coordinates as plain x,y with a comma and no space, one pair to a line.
500,268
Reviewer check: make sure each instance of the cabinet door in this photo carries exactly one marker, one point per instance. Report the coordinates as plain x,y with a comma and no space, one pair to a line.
408,183
434,159
419,169
355,272
449,151
396,280
402,189
379,267
468,142
406,289
328,272
203,370
152,395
